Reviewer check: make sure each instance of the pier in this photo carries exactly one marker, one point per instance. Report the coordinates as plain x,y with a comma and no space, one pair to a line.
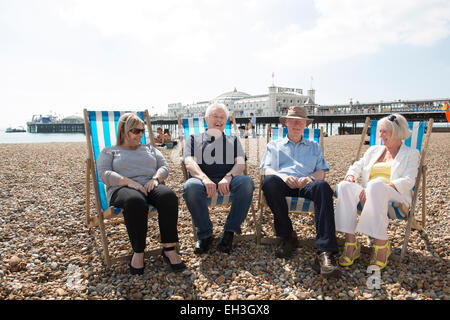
348,118
344,118
55,127
50,124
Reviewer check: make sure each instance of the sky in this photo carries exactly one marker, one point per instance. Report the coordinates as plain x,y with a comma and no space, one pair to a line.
62,56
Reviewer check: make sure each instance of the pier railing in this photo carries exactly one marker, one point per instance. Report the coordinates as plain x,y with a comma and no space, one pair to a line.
319,112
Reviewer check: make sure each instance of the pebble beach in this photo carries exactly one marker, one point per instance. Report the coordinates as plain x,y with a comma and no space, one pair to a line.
47,252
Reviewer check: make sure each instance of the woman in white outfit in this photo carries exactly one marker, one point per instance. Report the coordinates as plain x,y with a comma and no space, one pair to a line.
388,173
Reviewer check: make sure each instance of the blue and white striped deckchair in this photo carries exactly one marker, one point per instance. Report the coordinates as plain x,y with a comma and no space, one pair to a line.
189,126
198,125
419,130
295,204
308,134
101,132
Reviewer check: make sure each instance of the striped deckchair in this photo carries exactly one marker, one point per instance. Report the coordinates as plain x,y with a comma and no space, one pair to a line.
295,204
420,135
101,132
189,126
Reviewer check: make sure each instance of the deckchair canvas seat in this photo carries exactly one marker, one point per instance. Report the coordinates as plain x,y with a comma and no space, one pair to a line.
115,213
396,210
298,204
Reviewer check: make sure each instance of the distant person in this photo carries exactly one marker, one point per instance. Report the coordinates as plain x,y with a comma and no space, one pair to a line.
168,138
216,163
242,129
159,135
167,135
296,167
133,174
252,124
388,173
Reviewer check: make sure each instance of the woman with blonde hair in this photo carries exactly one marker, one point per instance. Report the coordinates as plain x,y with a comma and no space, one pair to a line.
133,174
388,173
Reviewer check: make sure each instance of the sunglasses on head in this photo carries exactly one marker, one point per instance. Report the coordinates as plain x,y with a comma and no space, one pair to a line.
393,118
137,131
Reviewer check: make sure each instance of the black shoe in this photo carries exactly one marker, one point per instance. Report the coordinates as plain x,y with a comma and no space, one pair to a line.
175,267
287,246
226,243
202,245
326,265
136,271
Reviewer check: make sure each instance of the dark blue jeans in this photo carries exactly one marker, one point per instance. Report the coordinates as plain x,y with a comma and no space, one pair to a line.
275,190
194,193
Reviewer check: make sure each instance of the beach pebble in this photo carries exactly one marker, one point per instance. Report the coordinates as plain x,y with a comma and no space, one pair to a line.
49,253
137,296
14,261
220,279
61,292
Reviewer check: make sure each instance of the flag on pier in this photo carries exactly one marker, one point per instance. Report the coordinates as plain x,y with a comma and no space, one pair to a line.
446,109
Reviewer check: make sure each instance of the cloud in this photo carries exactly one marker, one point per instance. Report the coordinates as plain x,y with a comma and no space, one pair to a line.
194,31
178,30
74,53
349,28
185,30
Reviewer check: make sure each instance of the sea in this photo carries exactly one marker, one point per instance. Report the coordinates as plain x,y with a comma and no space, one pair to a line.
26,137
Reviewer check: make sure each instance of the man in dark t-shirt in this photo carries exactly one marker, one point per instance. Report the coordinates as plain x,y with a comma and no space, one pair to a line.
215,163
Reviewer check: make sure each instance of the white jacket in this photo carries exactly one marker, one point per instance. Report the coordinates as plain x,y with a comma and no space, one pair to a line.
403,169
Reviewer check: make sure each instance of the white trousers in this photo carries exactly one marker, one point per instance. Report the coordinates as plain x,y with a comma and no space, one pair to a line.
374,219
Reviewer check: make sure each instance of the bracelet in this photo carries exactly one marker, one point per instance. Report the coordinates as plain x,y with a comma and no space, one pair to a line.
156,178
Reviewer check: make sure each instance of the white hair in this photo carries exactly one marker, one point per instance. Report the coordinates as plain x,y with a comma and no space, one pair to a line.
214,107
399,125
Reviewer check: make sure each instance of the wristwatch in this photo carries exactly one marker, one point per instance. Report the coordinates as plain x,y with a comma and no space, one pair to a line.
156,178
312,178
229,174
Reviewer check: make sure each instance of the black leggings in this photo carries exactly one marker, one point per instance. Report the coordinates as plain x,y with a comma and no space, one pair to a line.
135,212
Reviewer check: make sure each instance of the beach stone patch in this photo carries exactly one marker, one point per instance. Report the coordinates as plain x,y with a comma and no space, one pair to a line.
47,252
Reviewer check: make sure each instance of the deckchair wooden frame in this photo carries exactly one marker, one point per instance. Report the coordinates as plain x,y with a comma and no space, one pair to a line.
421,177
262,201
107,217
225,205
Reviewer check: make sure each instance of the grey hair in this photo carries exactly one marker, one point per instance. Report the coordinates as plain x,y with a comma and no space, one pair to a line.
400,128
215,106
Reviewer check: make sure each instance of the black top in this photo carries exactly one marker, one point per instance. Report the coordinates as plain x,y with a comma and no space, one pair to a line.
215,157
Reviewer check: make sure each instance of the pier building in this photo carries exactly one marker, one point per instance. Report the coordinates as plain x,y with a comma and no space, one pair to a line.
275,101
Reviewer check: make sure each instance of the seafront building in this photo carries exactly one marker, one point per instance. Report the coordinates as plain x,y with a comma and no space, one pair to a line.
275,101
268,108
342,118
